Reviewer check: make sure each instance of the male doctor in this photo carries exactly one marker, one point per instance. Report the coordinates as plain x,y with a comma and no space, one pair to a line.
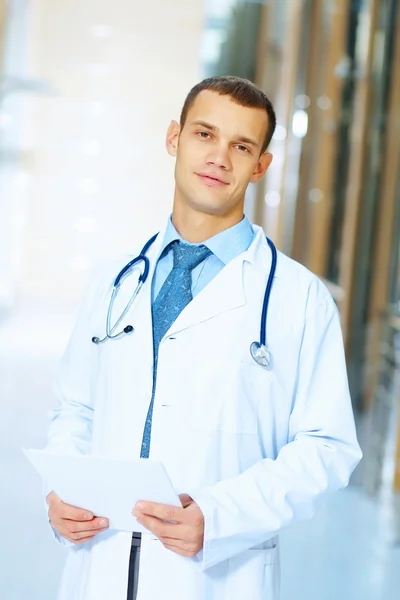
250,449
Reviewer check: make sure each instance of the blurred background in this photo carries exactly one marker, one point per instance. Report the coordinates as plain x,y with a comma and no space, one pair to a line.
87,91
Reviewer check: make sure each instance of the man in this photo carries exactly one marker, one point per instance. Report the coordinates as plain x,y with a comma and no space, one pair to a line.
251,450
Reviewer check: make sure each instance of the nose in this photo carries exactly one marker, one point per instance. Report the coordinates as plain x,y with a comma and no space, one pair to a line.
219,157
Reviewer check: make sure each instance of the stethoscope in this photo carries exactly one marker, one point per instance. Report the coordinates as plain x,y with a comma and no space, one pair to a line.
258,350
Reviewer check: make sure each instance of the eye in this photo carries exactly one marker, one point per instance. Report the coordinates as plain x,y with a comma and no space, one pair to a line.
242,148
203,134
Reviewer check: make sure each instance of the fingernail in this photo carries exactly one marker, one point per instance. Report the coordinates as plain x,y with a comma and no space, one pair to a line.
88,517
140,506
103,523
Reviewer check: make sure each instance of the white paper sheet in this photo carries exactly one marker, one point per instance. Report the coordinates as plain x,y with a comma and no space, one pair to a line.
107,487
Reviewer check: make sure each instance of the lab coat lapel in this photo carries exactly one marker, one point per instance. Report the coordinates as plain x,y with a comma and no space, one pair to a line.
226,291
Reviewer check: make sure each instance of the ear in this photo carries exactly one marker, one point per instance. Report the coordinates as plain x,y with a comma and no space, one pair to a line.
173,138
262,167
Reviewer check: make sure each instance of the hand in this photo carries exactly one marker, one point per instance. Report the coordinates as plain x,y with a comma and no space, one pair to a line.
185,535
74,524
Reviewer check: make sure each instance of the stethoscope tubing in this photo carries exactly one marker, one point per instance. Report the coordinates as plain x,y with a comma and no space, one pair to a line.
142,257
259,350
110,329
267,296
117,284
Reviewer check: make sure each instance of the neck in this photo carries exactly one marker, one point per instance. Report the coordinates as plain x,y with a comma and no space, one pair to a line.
196,227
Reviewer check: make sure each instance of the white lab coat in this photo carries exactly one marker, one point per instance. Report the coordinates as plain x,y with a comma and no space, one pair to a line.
256,449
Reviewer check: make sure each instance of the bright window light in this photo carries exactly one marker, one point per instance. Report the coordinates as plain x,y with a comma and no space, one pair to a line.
300,123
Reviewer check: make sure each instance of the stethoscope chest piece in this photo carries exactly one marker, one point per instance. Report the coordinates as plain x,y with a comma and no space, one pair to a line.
261,355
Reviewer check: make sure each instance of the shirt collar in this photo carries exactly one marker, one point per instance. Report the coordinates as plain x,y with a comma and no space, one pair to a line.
225,245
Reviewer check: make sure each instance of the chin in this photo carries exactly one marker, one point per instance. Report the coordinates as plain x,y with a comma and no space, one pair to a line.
210,208
205,201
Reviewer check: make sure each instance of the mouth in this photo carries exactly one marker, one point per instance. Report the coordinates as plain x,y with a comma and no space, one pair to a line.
211,181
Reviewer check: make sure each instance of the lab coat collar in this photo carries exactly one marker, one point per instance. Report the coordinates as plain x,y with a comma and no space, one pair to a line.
259,253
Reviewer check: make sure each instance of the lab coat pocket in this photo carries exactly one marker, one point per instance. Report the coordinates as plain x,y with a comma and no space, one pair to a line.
250,575
228,401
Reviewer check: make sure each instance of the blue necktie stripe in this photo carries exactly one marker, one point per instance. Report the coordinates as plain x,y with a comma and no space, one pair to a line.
175,294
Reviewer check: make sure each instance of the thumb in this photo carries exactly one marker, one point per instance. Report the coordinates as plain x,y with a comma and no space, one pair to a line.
186,500
51,498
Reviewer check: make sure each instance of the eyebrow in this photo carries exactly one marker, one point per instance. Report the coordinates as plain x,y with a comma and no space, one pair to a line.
215,129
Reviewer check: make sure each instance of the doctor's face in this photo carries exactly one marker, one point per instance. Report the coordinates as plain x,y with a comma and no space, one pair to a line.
218,154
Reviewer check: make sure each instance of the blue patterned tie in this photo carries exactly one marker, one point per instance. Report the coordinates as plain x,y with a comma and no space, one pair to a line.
174,295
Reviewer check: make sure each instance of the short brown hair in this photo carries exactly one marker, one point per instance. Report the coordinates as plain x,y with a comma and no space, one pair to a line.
242,91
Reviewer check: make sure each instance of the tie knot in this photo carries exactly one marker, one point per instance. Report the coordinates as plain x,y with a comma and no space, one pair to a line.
187,256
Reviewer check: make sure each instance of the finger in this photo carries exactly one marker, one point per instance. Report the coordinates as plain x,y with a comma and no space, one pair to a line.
160,511
50,498
67,511
81,535
72,537
77,536
64,526
161,528
96,524
72,513
185,546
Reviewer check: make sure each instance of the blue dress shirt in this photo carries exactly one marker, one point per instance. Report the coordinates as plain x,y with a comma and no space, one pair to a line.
224,247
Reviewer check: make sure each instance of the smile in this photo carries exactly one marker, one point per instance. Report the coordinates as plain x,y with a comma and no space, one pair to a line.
211,181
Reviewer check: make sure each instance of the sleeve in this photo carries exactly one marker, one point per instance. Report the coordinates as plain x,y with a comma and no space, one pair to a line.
321,453
70,429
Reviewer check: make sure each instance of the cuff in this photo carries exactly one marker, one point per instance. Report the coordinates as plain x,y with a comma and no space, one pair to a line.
207,557
228,531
